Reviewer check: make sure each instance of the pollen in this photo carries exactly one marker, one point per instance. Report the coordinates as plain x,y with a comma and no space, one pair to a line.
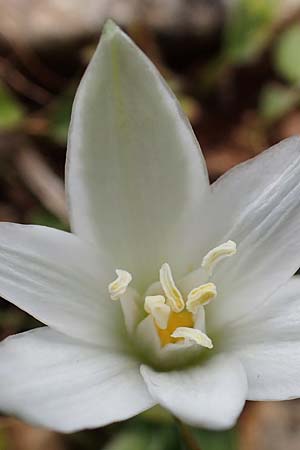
176,318
155,305
176,324
172,293
214,256
201,296
118,287
191,334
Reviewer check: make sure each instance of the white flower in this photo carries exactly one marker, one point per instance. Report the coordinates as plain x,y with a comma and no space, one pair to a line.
203,313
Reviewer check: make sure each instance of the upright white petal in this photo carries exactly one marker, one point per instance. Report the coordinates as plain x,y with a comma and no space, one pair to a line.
257,205
210,395
60,280
54,381
135,173
268,344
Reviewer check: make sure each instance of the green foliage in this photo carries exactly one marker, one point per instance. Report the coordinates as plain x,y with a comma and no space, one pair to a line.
149,433
130,440
277,100
216,440
157,414
40,216
247,29
287,54
3,441
246,34
141,437
59,118
11,112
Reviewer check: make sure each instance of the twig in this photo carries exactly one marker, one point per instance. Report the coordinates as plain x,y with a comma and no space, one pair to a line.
187,437
21,84
32,62
42,181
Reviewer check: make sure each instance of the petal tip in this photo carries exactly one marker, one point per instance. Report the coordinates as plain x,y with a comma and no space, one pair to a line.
109,28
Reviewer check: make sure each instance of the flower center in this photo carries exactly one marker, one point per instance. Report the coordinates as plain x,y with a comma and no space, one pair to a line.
177,319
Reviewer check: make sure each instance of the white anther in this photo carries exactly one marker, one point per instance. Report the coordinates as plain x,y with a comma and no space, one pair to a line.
155,305
215,255
118,287
192,334
201,296
173,295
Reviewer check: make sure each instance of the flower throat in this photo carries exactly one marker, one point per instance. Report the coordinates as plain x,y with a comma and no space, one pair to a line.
177,319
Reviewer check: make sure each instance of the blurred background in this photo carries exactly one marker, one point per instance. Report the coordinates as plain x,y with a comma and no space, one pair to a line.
235,67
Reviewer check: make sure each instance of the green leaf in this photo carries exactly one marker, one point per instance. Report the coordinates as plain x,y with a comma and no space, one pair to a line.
128,440
287,54
60,116
157,414
216,440
39,216
11,112
246,33
144,438
248,29
3,441
277,100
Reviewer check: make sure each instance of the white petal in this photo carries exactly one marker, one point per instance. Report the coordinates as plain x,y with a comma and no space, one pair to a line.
199,318
211,395
132,309
135,173
54,381
58,279
268,345
257,205
147,337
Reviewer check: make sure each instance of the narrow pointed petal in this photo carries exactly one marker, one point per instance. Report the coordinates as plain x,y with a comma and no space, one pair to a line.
54,381
135,173
59,280
257,205
211,395
268,345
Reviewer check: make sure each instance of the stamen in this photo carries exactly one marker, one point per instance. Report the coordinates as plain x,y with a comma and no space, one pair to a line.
173,295
155,305
215,255
118,287
191,334
201,295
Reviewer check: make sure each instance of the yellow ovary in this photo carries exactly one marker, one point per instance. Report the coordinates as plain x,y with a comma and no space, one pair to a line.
176,320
